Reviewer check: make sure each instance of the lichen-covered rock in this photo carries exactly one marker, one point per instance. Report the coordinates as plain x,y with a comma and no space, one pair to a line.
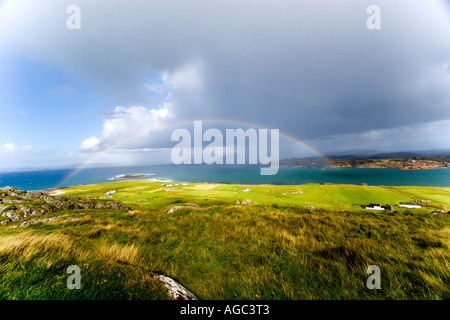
53,202
26,210
311,207
13,215
11,190
176,290
4,209
19,204
187,206
33,195
5,222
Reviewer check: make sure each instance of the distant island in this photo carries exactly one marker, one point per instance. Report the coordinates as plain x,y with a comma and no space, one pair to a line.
131,175
404,163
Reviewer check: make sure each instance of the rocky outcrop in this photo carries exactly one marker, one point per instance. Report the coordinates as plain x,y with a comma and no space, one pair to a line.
16,204
176,290
245,202
311,207
187,206
64,217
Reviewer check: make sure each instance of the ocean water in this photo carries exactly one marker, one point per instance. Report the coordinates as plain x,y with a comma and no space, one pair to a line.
238,174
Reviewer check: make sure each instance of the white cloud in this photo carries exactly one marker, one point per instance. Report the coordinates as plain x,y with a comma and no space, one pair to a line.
132,121
10,147
90,144
27,157
125,123
133,127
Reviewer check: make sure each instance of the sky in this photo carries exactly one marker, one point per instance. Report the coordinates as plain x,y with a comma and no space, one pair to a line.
115,89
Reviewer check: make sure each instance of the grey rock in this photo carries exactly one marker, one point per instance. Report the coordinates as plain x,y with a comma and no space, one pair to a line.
311,207
7,189
13,201
5,222
14,216
176,290
4,209
35,195
26,210
18,208
53,202
188,206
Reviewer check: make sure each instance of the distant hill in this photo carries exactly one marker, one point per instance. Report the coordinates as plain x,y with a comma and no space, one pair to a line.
427,159
362,153
353,153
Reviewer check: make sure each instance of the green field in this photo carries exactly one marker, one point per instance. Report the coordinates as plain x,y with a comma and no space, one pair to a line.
311,241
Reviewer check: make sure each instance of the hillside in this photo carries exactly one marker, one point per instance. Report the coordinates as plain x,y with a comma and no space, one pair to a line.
220,242
374,161
411,163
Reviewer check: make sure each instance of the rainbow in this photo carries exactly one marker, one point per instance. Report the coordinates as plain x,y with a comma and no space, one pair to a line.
95,156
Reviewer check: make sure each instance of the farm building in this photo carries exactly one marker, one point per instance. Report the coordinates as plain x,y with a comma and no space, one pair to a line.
373,206
409,204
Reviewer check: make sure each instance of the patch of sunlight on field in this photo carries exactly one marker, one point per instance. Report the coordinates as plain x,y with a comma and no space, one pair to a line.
435,194
138,188
363,194
227,187
285,195
203,186
209,191
312,194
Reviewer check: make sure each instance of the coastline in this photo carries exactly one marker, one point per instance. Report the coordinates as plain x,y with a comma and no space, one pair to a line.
289,175
393,167
57,191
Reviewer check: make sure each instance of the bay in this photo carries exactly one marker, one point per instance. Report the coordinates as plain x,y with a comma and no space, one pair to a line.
236,174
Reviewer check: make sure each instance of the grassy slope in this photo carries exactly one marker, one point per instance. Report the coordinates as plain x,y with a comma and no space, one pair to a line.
273,248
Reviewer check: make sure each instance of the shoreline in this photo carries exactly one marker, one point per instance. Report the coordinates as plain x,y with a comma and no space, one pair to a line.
288,175
356,167
400,168
58,191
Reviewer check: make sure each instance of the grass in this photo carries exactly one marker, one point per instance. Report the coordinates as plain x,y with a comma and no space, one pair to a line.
273,248
33,264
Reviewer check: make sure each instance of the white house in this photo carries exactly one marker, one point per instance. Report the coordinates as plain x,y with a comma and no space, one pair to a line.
246,189
409,204
374,207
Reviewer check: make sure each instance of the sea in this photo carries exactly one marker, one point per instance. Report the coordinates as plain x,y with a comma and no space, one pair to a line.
234,174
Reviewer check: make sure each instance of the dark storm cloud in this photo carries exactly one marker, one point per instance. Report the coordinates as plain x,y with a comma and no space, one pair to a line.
310,68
